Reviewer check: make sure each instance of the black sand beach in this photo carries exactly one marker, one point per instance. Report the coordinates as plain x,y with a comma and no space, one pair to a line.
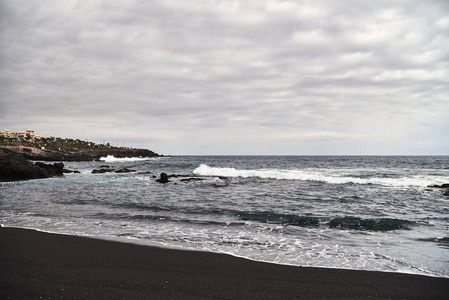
37,265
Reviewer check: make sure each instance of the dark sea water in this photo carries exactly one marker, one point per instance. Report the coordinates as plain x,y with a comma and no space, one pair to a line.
366,213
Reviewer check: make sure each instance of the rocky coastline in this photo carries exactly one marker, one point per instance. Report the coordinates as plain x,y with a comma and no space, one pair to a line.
15,167
15,161
89,154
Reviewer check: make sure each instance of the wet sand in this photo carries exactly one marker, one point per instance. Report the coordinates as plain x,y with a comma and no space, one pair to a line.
37,265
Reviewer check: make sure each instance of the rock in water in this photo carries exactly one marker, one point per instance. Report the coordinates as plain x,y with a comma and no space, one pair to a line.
15,167
163,179
101,171
443,186
52,169
124,170
70,171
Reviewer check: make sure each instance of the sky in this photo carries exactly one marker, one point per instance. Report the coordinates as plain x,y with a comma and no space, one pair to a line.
230,77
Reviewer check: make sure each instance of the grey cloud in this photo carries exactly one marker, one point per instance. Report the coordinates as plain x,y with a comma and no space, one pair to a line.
174,71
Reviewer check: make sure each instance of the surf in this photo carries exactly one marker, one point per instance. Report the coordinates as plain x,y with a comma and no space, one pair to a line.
332,176
112,158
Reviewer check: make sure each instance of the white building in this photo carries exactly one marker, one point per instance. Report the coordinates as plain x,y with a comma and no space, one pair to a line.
20,134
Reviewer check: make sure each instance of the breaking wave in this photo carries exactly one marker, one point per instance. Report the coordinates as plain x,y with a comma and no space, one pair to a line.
111,158
323,175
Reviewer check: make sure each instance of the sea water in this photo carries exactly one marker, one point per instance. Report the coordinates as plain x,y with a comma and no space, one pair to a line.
354,212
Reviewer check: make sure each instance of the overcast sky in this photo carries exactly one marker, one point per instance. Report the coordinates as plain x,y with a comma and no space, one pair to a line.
230,77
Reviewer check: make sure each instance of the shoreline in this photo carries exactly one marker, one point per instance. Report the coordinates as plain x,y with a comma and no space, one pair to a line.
16,161
39,264
86,154
149,243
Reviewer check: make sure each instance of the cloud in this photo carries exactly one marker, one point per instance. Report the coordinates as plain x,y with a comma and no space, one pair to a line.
230,77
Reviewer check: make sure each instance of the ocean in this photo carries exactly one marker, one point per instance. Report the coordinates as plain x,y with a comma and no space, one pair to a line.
350,212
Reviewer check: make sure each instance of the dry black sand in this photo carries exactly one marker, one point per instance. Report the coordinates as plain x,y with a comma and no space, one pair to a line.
37,265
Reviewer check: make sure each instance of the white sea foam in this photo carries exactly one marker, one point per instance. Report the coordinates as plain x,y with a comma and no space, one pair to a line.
335,176
111,158
250,218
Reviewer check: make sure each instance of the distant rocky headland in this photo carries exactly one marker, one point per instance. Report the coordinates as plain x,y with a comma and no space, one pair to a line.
74,154
36,147
15,161
17,149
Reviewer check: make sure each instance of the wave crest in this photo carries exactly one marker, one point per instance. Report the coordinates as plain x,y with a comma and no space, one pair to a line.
112,158
333,176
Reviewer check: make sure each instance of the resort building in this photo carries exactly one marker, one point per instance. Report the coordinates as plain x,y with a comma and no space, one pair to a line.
5,132
29,133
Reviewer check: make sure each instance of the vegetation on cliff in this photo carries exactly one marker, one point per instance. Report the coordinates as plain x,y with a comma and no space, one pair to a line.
86,154
54,143
67,149
15,153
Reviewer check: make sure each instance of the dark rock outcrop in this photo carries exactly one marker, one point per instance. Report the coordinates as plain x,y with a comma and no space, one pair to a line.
69,171
52,169
163,178
15,167
108,170
101,171
76,155
185,178
443,186
124,170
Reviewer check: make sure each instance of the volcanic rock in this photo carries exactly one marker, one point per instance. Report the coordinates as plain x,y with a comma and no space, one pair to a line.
163,179
124,170
443,186
52,169
101,171
15,167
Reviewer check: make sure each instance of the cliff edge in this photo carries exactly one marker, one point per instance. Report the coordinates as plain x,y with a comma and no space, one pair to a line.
33,153
15,167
